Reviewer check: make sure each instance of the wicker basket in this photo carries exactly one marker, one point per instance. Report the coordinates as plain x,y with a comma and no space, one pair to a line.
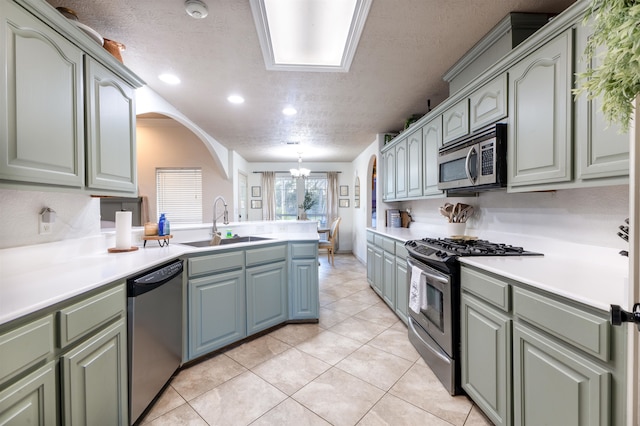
114,48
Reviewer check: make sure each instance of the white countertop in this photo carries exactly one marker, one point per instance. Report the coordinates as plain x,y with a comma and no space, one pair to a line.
35,277
594,276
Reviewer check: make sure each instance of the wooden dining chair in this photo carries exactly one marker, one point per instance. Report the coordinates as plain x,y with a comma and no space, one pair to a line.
329,243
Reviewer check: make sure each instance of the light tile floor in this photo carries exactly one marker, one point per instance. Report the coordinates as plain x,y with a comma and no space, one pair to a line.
356,367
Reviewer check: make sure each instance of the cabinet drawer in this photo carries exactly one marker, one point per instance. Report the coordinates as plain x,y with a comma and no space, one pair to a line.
215,263
389,245
400,250
370,237
82,318
378,240
24,346
487,288
579,328
266,254
304,250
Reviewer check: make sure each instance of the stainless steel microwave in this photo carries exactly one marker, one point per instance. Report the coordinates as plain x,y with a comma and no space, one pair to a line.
475,163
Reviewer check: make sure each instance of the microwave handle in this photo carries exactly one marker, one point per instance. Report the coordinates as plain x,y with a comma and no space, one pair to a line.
466,165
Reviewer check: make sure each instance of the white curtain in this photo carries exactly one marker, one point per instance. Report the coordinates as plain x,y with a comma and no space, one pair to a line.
269,191
332,200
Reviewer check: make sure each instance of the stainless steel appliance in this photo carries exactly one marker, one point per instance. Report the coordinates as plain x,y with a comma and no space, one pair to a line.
475,163
154,333
435,330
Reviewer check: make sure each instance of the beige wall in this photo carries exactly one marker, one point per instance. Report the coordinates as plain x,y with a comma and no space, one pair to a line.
167,143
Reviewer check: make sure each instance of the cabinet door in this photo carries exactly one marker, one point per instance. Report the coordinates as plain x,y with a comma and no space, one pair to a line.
455,121
94,379
31,400
377,270
303,292
401,169
111,131
41,107
602,151
489,103
370,264
554,385
539,145
389,162
389,279
485,346
402,289
217,315
414,164
432,138
266,296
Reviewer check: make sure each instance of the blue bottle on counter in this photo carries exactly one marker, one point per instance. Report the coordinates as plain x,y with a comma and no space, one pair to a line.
161,224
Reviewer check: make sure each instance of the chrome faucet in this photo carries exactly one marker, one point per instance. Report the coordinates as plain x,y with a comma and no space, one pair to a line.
224,214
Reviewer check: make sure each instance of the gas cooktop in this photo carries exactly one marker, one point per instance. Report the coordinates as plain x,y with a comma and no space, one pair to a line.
447,250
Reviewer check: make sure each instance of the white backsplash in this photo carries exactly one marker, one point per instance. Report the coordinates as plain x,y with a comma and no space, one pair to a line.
584,216
77,215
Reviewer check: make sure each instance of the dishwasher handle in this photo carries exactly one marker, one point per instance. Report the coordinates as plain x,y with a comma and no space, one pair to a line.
154,279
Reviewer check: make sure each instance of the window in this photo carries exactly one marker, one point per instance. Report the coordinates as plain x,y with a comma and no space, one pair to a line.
179,194
290,194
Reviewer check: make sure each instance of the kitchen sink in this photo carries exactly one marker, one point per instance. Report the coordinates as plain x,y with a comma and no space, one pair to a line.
227,241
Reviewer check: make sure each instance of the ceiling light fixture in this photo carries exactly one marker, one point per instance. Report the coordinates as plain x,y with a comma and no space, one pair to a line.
235,99
169,78
196,9
315,35
300,172
289,111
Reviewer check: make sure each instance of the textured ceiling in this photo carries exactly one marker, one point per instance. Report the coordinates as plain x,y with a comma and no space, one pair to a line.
405,48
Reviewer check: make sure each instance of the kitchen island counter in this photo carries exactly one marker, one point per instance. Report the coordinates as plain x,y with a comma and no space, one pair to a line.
39,276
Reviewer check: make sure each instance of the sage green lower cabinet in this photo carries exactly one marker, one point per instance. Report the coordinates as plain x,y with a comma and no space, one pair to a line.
389,279
378,261
266,296
485,339
303,281
531,358
370,262
217,315
32,400
94,377
554,385
402,287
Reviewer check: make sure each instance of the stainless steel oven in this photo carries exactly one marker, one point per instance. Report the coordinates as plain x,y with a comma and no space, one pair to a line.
434,327
475,163
434,330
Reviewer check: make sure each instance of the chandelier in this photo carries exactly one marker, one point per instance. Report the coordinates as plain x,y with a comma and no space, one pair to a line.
300,172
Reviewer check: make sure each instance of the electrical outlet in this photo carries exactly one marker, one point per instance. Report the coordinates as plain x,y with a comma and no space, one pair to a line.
45,228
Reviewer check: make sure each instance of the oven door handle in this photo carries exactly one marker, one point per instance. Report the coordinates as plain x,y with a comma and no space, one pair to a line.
467,163
432,276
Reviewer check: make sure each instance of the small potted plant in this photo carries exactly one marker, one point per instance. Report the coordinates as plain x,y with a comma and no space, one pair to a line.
307,204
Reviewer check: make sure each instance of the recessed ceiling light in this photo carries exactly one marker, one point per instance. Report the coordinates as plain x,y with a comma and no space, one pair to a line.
289,111
314,35
235,99
169,78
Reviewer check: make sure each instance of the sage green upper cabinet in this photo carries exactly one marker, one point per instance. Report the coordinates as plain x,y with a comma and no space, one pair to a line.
540,105
432,141
41,103
489,103
602,151
455,121
414,164
389,163
401,169
111,127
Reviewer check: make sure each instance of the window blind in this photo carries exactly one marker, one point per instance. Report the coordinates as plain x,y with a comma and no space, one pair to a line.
179,194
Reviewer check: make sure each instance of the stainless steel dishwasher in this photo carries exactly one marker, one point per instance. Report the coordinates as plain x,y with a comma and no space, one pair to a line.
154,304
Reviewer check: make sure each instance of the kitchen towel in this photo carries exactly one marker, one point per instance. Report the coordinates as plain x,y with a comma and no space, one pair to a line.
417,290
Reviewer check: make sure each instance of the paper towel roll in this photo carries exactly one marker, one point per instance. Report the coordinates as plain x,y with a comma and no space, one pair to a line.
123,230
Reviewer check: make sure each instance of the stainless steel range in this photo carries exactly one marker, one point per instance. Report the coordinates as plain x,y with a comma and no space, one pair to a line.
434,313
